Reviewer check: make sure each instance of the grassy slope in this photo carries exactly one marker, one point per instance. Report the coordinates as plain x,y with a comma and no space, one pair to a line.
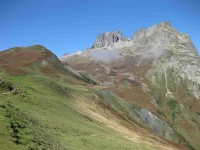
42,115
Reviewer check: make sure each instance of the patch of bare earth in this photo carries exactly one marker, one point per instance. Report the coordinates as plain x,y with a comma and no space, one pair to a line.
100,112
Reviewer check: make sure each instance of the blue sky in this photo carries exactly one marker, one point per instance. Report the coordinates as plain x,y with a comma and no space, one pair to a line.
65,26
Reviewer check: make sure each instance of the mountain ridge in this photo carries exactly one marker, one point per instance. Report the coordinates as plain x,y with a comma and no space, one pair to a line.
157,72
160,35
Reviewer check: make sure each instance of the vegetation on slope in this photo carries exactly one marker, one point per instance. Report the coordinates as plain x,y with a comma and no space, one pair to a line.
38,113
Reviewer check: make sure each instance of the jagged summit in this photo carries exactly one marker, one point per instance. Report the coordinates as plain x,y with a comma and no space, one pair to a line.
159,36
163,26
108,39
160,40
165,36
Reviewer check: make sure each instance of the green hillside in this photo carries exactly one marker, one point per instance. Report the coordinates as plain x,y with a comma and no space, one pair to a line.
37,112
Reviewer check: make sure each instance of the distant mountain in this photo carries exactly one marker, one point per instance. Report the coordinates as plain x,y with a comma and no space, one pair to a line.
157,71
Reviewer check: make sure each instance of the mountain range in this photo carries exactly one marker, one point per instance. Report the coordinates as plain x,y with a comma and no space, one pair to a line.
141,92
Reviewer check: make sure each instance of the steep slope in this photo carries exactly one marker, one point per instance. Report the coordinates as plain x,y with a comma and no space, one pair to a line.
157,72
52,109
16,59
36,59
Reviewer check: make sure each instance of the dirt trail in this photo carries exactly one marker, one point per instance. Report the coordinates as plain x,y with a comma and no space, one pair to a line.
126,129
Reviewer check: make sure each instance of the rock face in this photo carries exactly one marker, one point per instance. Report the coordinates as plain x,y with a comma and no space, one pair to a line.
108,39
158,71
164,36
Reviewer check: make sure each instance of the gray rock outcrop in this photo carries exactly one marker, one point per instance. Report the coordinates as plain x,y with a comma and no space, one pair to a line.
163,36
108,39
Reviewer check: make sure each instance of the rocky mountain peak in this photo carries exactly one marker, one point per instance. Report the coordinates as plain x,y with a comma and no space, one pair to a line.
109,39
164,25
165,36
158,28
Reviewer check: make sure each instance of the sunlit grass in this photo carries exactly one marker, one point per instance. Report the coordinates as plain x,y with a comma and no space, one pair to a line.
41,115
